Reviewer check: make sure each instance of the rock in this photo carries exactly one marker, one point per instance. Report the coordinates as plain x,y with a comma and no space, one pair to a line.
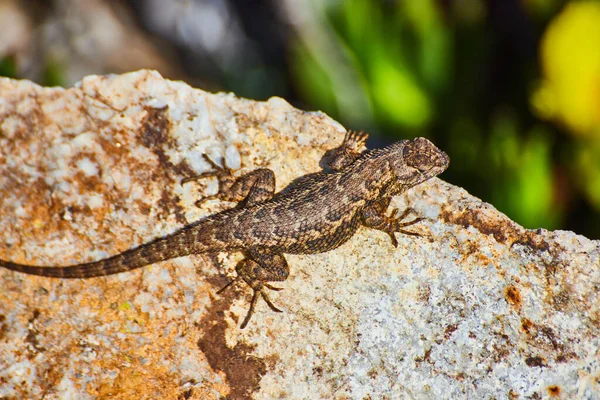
477,307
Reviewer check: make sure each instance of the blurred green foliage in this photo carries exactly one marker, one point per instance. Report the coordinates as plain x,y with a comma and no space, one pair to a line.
52,72
8,67
453,72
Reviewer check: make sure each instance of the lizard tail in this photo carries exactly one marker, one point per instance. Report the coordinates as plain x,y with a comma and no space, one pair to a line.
158,250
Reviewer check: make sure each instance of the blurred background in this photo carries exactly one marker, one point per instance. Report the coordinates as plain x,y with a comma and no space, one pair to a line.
509,88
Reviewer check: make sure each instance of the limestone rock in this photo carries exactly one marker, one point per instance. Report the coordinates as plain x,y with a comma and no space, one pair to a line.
477,307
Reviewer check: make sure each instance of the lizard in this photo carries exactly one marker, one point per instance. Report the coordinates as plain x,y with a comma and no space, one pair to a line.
316,213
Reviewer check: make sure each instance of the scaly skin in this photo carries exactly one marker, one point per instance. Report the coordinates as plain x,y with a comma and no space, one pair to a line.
316,213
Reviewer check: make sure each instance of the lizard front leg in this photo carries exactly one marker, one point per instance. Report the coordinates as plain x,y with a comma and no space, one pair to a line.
259,267
374,217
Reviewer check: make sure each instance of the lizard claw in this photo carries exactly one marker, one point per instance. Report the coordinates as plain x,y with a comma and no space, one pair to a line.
219,171
393,237
397,221
270,287
222,173
269,302
258,289
355,140
397,224
256,292
207,174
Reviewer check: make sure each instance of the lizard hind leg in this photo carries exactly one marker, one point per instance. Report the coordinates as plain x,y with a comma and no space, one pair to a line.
251,188
224,175
259,268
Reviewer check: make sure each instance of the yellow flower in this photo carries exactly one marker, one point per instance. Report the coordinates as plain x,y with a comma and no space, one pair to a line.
570,53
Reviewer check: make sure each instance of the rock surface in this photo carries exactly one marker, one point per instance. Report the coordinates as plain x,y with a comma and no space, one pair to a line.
476,308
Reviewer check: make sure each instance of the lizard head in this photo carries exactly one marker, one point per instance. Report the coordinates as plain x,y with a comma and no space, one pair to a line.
420,161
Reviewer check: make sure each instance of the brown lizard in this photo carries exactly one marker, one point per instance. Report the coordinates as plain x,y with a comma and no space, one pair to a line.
316,213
